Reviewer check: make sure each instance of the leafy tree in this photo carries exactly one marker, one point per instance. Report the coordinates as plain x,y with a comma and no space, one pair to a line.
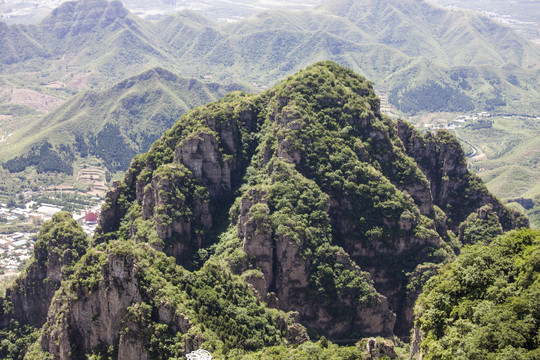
485,304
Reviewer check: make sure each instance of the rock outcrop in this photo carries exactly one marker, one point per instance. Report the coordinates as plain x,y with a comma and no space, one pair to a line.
92,315
61,243
186,180
200,153
337,215
455,190
134,300
166,200
377,348
287,278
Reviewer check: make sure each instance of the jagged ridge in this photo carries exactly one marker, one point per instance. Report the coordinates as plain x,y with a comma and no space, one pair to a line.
325,123
335,213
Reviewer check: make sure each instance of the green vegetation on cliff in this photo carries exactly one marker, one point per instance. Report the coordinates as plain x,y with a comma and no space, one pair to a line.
61,243
485,305
164,310
337,217
321,176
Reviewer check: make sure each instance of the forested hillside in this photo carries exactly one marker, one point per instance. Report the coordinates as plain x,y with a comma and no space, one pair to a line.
486,304
259,221
113,125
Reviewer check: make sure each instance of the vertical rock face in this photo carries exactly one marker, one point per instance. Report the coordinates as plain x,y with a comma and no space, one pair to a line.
292,280
111,211
455,190
186,180
439,156
256,235
416,352
179,208
93,318
340,213
61,243
200,153
134,300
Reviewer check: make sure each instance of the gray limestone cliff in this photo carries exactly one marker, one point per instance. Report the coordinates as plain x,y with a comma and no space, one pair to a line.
336,212
287,275
137,302
61,243
455,190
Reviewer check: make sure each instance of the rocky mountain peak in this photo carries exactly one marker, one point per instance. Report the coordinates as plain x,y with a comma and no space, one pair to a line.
78,17
316,157
257,215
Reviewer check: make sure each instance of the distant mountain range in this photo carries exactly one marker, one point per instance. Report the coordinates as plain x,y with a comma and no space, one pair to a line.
114,124
522,15
406,47
423,57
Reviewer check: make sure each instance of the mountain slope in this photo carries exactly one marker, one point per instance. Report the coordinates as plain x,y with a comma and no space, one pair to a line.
104,36
132,299
304,198
357,189
129,116
419,51
17,45
87,35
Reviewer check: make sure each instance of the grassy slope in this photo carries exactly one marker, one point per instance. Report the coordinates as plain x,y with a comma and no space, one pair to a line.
146,104
512,148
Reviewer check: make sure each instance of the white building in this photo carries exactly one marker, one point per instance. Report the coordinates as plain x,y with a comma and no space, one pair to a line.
48,210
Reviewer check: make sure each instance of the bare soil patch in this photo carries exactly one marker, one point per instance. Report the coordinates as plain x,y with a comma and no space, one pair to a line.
72,80
39,101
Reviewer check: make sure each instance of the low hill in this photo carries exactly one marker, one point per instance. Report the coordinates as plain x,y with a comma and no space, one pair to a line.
117,123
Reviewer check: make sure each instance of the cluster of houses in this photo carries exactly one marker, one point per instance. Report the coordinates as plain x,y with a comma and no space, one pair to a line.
458,121
16,248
